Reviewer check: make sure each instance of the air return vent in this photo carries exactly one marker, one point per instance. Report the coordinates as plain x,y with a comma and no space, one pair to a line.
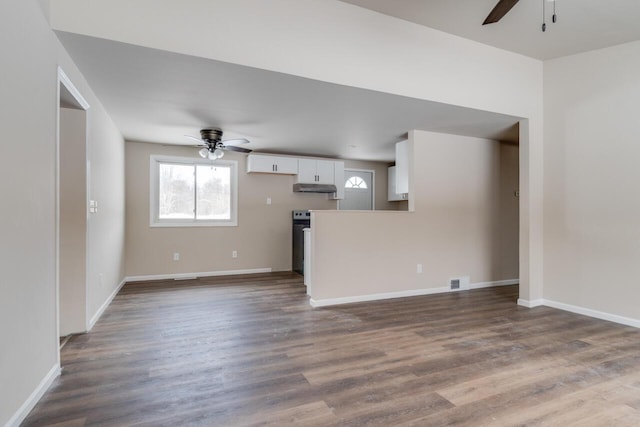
455,283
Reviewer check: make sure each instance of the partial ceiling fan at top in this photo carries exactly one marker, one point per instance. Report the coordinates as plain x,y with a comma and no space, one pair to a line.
212,144
504,6
499,11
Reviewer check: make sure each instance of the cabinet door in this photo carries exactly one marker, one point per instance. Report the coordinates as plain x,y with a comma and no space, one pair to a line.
402,167
325,172
272,164
286,165
392,196
256,163
338,180
307,171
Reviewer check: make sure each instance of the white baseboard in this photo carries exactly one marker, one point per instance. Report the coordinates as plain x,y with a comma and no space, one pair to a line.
35,396
530,304
104,305
185,276
593,313
481,285
374,297
403,294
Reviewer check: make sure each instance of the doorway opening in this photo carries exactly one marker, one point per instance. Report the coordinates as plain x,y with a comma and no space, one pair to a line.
359,190
71,211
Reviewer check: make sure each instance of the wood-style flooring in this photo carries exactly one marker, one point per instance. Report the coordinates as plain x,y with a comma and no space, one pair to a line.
249,350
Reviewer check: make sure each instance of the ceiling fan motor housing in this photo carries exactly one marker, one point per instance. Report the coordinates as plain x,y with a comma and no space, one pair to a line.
212,135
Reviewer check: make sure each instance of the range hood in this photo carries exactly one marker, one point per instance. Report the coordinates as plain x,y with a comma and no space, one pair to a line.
314,188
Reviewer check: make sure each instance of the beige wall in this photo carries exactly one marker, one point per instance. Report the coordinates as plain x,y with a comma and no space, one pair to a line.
591,156
73,221
465,223
29,56
262,237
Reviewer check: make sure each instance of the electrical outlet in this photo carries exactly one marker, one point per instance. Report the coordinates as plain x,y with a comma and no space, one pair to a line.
176,256
234,254
419,269
268,200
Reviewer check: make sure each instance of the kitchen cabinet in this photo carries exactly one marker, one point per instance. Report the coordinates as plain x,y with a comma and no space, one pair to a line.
272,164
311,171
307,259
402,167
338,179
392,196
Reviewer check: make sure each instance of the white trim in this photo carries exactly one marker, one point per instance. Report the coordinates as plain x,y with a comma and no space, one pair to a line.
66,81
530,304
35,396
104,306
63,79
593,313
185,276
403,294
154,162
481,285
374,297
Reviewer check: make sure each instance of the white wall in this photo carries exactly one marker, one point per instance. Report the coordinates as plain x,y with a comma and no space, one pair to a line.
464,224
29,57
592,153
344,44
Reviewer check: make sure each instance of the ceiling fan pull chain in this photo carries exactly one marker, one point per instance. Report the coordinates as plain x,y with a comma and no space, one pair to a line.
544,23
554,18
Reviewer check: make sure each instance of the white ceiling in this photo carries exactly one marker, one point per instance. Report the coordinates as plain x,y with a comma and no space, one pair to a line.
582,25
159,96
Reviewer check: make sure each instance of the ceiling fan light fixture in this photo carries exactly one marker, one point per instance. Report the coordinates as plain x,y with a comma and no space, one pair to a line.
204,152
218,153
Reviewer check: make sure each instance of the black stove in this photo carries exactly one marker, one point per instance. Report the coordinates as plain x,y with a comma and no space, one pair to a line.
301,220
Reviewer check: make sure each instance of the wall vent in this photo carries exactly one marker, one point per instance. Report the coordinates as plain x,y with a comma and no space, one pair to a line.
455,283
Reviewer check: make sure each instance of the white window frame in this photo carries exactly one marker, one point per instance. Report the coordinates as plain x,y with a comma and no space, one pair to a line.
154,189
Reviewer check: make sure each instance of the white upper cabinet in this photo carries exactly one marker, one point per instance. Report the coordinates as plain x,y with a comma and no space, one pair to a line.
312,171
338,174
402,167
272,164
392,196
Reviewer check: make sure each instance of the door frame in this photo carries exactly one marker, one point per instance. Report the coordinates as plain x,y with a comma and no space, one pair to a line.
64,80
373,184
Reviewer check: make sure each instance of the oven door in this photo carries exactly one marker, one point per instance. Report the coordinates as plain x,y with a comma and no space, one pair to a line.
298,246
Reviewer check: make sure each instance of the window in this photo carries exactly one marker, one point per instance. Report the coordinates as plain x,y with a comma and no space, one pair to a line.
193,192
355,182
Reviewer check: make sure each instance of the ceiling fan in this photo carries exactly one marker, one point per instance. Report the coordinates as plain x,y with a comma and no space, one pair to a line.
499,11
504,6
212,144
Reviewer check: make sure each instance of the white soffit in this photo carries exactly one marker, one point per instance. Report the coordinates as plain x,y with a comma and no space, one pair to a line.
158,96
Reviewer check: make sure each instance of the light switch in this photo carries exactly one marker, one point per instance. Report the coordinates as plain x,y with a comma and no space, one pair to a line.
268,200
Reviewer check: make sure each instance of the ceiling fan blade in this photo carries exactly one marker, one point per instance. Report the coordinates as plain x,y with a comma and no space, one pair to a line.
501,9
195,139
235,141
234,148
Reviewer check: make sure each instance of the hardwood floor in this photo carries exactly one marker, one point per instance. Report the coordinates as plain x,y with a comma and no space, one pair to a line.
249,350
